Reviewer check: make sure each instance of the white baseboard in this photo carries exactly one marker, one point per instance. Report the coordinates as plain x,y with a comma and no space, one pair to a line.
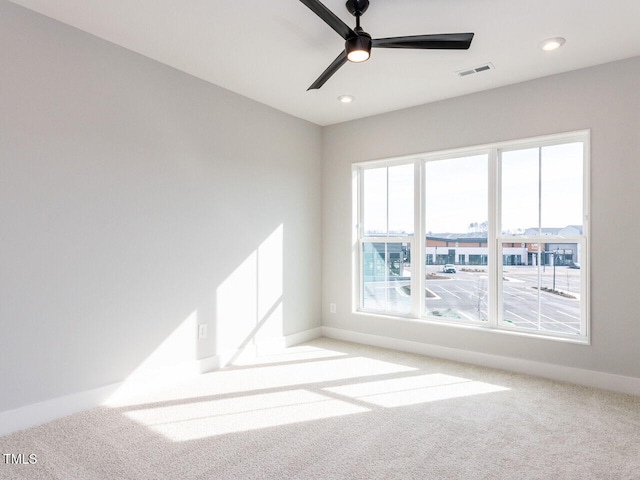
38,413
267,347
301,337
42,412
48,410
589,378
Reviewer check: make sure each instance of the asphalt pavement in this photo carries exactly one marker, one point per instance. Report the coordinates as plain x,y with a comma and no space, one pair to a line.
462,297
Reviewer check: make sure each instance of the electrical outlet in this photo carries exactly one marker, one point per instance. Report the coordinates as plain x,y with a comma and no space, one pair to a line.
332,308
202,330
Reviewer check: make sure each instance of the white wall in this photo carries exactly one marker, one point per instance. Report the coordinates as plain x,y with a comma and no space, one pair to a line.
605,99
135,203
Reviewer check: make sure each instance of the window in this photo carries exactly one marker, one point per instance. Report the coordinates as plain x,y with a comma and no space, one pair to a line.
456,201
387,234
542,205
494,237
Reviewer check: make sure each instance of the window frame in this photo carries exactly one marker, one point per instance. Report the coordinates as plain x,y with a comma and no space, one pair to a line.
495,239
386,239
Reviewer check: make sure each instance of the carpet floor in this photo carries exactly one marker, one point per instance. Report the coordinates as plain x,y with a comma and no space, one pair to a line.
335,410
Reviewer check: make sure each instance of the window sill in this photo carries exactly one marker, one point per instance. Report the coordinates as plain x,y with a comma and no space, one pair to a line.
576,340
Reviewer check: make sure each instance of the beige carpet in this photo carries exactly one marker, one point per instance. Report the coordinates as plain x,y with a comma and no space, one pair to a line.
335,410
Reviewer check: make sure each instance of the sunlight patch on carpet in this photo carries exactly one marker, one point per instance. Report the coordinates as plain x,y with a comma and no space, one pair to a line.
289,355
202,419
398,392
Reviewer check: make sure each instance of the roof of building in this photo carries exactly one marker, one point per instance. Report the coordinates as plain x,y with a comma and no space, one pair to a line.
482,236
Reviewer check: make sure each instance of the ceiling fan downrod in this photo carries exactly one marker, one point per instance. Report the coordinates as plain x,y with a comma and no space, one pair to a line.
358,47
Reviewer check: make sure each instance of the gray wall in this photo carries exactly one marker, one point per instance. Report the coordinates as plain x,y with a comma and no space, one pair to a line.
605,99
134,199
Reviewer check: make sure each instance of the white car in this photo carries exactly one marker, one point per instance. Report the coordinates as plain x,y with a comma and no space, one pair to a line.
448,268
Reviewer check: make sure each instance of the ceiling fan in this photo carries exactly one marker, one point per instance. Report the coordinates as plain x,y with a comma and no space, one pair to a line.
358,43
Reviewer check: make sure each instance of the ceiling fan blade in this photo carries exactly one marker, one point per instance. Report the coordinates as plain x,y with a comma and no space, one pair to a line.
331,69
330,18
443,41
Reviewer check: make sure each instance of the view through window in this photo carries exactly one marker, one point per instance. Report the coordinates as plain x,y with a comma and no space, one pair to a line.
388,220
494,237
541,237
456,224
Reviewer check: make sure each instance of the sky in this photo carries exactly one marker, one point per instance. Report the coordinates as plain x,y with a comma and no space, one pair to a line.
456,192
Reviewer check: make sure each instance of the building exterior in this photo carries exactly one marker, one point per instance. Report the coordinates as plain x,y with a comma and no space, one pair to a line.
471,248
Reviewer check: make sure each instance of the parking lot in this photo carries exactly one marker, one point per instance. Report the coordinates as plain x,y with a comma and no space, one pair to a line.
462,296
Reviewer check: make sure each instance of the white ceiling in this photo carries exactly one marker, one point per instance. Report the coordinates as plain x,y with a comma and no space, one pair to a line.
272,50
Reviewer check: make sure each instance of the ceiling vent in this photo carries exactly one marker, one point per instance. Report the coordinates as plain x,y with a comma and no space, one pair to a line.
481,68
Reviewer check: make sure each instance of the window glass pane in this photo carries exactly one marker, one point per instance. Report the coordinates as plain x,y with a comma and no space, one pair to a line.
386,276
456,195
542,296
546,182
561,189
456,220
401,200
375,201
520,192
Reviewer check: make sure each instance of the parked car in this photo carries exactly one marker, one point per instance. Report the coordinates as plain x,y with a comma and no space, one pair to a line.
574,265
448,268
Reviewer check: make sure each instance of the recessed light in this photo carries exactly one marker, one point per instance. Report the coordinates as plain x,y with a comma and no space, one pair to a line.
346,98
552,44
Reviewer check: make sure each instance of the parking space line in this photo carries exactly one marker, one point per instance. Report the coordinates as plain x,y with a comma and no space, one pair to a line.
470,293
513,295
561,323
450,293
566,314
525,319
529,293
521,291
435,295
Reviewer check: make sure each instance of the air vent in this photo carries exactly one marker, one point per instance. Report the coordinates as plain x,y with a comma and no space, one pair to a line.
481,68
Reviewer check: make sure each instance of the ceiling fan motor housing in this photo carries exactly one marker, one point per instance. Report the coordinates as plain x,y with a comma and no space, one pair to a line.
361,42
357,7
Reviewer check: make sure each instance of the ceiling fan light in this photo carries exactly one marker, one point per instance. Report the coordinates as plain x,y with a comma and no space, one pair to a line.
358,48
358,56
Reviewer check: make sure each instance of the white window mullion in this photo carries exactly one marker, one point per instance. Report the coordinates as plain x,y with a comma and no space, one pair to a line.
387,265
540,280
418,244
584,304
540,191
359,232
540,235
585,244
494,287
387,269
